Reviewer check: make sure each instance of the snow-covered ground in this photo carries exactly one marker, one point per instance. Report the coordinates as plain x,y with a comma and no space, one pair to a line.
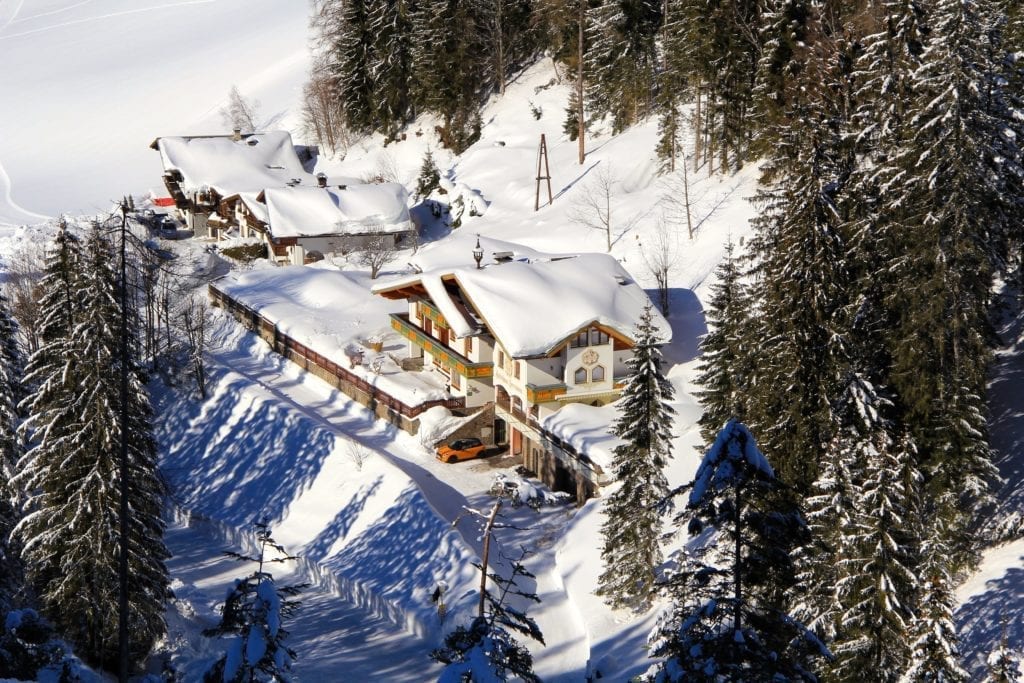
368,507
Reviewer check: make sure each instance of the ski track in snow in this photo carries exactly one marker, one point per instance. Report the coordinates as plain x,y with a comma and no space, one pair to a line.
10,212
101,17
51,12
9,11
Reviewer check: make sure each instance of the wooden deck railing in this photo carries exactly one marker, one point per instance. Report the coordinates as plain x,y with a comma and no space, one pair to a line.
290,349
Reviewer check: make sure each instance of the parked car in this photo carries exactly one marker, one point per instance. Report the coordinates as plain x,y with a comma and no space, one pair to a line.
460,449
167,227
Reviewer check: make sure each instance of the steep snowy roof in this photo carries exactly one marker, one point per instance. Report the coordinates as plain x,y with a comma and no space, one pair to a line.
356,209
255,162
532,303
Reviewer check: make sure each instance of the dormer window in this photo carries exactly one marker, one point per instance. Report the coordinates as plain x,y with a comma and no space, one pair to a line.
589,337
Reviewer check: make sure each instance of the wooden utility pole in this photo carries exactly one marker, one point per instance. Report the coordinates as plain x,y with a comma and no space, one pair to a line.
487,550
579,86
545,174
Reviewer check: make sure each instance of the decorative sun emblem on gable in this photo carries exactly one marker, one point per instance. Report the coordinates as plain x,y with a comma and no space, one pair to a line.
590,357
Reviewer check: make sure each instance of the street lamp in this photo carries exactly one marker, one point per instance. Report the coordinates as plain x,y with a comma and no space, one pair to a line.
478,252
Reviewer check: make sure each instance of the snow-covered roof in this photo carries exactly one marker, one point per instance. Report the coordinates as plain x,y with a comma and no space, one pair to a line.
585,428
229,166
349,210
531,302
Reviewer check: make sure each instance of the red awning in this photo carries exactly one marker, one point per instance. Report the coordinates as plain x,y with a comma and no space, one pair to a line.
163,201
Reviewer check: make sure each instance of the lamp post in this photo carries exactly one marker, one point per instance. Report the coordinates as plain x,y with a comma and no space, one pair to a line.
478,252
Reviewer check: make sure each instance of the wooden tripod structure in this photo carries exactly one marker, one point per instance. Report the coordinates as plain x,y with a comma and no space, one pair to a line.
542,159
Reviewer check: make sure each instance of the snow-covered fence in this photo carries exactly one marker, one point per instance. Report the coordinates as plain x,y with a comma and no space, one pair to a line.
384,405
353,591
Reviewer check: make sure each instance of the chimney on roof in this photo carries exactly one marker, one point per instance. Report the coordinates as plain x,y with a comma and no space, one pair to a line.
321,179
236,134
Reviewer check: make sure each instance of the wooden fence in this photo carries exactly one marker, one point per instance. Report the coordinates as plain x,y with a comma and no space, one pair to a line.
383,404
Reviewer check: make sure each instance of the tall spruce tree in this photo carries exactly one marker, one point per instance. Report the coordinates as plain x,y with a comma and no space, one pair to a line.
877,586
353,63
724,373
631,550
620,62
11,370
726,621
71,531
802,284
390,25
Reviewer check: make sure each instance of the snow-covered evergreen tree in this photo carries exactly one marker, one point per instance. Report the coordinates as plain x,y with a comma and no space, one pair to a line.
391,68
878,586
352,57
803,284
71,470
724,372
631,533
11,369
486,651
727,619
1004,664
934,655
253,617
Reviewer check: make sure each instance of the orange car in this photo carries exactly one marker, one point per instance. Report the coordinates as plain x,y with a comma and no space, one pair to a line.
460,449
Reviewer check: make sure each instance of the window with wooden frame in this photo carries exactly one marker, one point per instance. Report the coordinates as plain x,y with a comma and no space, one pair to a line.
597,373
456,381
467,346
515,369
580,376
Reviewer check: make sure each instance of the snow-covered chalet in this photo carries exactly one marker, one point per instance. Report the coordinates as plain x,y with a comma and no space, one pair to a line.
257,185
527,333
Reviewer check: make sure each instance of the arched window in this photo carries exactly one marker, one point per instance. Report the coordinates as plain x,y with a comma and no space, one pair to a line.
597,374
580,376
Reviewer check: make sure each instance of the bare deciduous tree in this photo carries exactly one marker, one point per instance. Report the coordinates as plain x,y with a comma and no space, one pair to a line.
357,453
25,270
377,251
323,117
661,254
193,319
592,208
239,112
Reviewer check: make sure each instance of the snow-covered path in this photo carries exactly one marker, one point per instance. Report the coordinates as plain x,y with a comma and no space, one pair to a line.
332,634
448,489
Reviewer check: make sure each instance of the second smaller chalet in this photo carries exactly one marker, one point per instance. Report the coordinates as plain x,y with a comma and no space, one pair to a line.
528,333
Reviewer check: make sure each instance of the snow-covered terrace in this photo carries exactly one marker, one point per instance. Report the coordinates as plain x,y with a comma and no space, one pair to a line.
355,209
329,312
529,301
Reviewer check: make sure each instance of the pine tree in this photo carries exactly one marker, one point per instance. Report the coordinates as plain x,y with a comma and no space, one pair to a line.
933,650
486,651
724,373
620,63
429,178
254,613
878,585
71,470
11,370
353,65
631,551
803,280
726,620
1004,663
391,67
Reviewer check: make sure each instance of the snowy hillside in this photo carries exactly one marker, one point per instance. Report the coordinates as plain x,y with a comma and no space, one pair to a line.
378,522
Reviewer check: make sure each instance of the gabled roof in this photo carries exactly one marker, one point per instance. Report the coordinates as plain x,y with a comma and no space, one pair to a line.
229,166
532,303
357,209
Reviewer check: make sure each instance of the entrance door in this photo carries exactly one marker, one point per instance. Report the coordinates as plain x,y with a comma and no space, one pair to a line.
517,442
500,435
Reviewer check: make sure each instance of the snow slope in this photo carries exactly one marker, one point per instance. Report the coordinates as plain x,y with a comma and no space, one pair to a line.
87,85
274,441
